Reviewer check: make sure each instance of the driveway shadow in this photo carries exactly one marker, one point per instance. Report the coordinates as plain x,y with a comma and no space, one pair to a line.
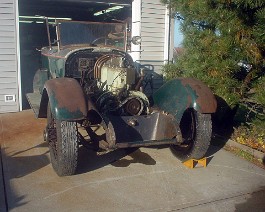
221,133
44,144
254,203
90,160
17,165
217,143
137,156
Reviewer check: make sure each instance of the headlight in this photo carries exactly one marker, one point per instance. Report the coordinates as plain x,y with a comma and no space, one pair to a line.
136,40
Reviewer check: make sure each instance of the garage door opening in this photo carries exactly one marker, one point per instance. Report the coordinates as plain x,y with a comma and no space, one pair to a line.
33,32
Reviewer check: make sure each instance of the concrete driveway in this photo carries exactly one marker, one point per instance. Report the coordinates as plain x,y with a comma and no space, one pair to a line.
147,179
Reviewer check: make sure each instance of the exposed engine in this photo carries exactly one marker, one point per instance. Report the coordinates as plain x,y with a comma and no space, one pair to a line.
109,80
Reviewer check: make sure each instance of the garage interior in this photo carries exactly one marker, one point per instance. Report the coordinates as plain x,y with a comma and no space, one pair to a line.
33,34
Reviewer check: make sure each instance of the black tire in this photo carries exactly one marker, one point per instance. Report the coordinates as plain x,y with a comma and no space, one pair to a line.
62,137
196,129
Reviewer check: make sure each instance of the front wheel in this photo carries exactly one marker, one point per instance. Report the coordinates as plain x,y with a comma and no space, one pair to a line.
196,129
62,137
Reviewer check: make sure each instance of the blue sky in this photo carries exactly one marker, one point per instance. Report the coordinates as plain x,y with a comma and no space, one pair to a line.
178,36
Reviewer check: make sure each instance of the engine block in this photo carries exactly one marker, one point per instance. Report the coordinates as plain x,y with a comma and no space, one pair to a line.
117,78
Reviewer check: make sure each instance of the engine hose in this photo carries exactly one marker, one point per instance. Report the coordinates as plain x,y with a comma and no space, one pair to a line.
99,63
96,68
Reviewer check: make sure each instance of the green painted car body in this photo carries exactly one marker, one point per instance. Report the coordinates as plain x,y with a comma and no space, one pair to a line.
89,80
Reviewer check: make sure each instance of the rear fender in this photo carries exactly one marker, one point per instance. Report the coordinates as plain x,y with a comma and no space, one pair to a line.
179,94
66,99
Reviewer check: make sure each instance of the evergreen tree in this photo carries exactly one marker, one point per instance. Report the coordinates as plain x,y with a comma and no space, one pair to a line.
218,36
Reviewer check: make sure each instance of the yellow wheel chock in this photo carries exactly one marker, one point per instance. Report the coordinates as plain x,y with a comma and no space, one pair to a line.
193,162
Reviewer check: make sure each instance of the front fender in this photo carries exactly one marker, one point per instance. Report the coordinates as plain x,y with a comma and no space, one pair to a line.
66,99
177,95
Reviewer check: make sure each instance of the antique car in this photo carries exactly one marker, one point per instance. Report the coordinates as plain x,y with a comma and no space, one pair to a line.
88,81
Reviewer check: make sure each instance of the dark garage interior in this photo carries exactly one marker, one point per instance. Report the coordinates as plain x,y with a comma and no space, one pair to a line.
33,33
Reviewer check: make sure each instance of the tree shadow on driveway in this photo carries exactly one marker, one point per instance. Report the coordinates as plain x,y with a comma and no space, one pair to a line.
14,166
254,203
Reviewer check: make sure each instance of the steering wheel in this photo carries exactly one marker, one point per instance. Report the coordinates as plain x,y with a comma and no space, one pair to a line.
103,40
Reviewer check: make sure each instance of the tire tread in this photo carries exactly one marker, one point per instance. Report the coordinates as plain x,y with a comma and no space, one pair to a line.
201,142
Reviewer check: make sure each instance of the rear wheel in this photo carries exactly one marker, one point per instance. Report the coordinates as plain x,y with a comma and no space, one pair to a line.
196,129
62,137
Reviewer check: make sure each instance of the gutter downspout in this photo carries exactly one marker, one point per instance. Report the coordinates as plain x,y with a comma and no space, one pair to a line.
136,29
18,57
169,30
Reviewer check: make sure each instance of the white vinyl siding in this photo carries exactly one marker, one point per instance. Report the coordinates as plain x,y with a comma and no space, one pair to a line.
151,22
8,56
153,34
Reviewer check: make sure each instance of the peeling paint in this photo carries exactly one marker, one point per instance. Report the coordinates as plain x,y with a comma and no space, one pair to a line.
177,95
66,98
205,98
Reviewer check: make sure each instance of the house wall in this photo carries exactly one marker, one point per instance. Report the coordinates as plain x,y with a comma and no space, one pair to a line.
150,20
9,82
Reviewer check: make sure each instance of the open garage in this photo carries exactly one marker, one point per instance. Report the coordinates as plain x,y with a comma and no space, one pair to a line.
33,32
23,32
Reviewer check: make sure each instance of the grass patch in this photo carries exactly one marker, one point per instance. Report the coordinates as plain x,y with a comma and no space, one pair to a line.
245,155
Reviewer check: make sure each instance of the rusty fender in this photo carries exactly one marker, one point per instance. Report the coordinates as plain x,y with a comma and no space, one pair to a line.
177,95
66,99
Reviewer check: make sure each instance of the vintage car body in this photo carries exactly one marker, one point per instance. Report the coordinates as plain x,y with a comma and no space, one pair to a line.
82,86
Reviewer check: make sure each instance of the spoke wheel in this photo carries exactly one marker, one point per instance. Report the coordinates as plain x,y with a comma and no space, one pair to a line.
196,129
62,137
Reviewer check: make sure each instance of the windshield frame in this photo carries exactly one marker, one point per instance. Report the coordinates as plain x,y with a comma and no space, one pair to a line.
60,37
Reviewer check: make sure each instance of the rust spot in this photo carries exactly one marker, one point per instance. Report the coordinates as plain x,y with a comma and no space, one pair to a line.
16,126
68,94
206,100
